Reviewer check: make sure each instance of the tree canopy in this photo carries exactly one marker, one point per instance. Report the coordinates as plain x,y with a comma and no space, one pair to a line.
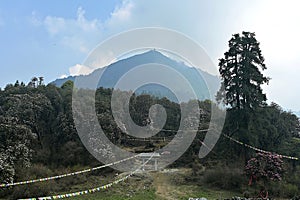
240,73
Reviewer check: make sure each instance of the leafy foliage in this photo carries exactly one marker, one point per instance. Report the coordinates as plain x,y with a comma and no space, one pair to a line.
37,129
240,73
15,148
265,167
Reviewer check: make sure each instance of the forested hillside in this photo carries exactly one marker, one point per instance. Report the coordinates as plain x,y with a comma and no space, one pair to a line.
38,137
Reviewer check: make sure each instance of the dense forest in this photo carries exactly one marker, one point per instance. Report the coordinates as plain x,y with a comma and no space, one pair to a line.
38,137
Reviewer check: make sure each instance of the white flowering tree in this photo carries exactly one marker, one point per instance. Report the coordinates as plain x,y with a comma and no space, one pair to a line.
15,150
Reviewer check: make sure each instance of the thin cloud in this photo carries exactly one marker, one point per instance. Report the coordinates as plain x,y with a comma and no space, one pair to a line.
209,24
81,34
59,25
55,25
79,69
35,19
63,76
123,12
77,34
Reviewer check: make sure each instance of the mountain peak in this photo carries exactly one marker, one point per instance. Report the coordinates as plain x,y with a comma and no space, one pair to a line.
114,72
151,54
154,52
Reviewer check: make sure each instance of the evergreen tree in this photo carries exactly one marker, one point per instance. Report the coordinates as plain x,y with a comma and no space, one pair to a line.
241,86
240,73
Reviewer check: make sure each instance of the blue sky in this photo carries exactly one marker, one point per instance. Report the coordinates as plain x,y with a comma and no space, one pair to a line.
52,38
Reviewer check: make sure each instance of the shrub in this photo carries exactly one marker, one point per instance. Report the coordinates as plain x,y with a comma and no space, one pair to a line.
265,167
34,189
228,179
286,190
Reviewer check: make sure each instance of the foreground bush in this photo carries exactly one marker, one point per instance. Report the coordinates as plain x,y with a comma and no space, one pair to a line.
228,179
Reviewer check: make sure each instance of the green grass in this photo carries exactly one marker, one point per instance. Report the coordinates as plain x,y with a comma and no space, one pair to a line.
149,195
134,189
189,191
198,191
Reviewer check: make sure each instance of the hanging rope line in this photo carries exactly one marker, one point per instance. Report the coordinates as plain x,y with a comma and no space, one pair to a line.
168,130
117,162
89,191
92,190
257,149
86,170
65,175
206,146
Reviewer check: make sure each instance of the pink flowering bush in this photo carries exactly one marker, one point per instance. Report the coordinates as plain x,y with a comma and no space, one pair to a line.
264,167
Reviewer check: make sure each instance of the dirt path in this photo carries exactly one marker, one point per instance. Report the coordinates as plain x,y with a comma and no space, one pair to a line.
164,187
